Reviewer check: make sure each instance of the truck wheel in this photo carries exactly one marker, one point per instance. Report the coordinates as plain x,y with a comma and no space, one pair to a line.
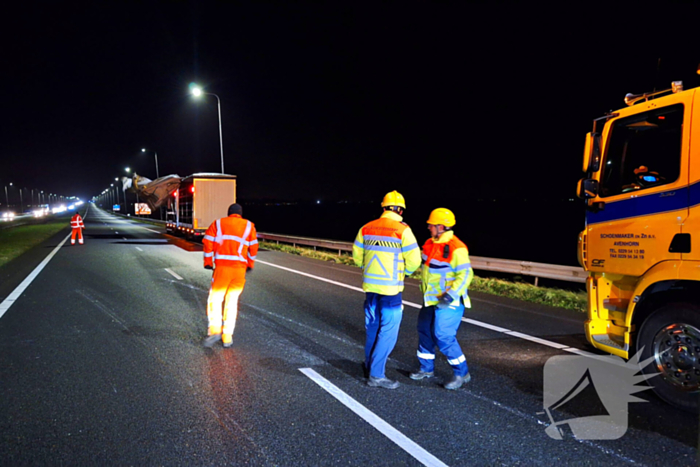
671,337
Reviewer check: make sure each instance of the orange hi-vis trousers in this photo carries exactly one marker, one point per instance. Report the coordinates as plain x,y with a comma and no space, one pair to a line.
79,233
222,304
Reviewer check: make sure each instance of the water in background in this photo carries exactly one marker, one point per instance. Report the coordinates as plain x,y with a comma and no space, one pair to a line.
540,231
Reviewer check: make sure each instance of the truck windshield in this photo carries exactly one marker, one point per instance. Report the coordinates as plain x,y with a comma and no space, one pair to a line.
643,151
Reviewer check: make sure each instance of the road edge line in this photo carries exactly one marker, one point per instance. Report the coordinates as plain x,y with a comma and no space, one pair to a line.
14,295
474,322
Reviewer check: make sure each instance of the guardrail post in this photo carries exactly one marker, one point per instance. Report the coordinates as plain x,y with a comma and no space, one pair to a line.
536,280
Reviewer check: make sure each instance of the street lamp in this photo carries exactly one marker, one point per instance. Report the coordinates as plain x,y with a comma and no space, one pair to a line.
128,170
7,199
116,188
144,150
197,92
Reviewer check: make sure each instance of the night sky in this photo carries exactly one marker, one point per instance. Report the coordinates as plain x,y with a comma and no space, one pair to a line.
327,100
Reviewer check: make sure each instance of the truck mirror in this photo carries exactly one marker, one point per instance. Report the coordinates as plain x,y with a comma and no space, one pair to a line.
587,188
591,153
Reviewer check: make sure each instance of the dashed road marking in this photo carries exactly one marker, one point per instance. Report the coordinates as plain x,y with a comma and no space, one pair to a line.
174,274
404,442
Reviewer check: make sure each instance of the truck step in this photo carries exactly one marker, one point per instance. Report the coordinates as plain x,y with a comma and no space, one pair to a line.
604,339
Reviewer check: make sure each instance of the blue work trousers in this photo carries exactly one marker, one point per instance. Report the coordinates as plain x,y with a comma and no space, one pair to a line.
383,315
437,327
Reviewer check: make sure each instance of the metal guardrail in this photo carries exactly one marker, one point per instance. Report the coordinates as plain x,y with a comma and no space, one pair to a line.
525,268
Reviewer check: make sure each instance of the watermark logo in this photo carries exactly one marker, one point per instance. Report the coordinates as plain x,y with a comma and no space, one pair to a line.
597,389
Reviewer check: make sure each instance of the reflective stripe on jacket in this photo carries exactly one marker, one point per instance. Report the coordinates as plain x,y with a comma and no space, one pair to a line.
446,272
232,242
386,250
76,222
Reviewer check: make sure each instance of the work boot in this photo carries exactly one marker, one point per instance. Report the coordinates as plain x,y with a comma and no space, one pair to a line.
382,383
227,339
418,375
457,381
211,340
365,370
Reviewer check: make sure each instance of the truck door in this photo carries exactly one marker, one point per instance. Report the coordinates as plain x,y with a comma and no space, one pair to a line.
692,225
643,187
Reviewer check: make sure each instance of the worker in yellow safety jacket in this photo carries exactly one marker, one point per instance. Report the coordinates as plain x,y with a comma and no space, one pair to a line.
230,249
445,278
76,226
386,250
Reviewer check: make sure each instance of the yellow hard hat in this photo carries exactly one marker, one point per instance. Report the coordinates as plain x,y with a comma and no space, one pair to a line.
442,216
394,198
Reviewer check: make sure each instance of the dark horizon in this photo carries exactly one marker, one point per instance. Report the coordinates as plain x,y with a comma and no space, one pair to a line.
443,102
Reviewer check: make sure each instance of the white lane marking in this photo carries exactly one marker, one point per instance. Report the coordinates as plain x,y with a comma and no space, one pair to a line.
138,248
405,443
580,352
466,320
10,300
536,339
485,325
124,238
174,274
152,230
322,279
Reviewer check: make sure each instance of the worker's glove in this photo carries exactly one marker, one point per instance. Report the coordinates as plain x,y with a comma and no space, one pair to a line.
208,267
444,301
249,269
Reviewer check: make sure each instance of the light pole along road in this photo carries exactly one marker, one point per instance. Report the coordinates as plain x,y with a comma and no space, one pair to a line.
102,362
197,92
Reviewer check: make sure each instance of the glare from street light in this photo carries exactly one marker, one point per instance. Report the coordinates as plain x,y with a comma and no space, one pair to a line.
196,91
128,169
143,150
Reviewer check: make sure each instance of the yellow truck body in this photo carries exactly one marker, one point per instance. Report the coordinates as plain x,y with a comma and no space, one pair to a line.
641,243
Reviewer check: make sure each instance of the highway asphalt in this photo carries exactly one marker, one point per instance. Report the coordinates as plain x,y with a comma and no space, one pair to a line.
102,363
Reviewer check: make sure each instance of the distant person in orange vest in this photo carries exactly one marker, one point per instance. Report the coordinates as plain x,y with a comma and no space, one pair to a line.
230,248
77,226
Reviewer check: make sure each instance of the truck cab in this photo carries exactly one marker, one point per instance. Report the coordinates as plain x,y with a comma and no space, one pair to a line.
641,243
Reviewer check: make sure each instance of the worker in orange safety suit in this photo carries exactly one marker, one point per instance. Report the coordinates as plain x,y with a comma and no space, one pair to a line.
77,226
230,248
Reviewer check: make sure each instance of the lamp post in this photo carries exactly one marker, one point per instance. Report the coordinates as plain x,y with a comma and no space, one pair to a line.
128,170
156,154
7,199
21,203
116,188
196,92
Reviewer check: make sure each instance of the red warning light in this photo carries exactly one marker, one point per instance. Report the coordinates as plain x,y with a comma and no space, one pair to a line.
175,194
192,189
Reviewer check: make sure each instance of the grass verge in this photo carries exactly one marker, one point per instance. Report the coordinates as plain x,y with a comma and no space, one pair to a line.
520,291
17,240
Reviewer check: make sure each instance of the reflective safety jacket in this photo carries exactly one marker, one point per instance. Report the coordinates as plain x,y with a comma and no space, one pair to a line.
76,222
446,269
230,242
386,250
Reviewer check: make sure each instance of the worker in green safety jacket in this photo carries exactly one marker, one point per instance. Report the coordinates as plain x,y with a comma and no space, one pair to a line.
386,250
